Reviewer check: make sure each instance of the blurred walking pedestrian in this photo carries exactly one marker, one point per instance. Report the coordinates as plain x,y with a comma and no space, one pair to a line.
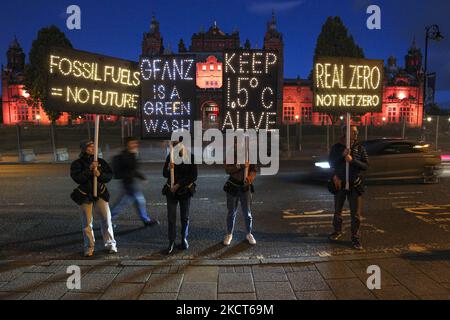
126,168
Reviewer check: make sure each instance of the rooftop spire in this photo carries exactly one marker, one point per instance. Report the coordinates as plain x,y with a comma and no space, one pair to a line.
414,44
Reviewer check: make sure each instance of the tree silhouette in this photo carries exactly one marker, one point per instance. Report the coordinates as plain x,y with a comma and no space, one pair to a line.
335,41
36,72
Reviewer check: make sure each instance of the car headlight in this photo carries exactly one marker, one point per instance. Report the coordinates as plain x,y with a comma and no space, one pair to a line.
323,165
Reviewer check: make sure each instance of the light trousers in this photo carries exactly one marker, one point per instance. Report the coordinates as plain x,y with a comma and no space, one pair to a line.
102,212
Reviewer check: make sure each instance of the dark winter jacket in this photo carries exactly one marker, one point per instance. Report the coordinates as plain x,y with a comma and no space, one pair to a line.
127,169
84,177
359,163
185,174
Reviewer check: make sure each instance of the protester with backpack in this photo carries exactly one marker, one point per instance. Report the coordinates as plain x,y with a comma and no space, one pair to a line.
126,168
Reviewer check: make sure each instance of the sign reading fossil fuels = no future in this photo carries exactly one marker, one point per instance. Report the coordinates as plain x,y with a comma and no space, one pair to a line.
83,82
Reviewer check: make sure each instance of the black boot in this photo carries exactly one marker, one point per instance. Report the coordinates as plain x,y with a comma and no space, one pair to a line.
151,223
184,244
170,248
184,234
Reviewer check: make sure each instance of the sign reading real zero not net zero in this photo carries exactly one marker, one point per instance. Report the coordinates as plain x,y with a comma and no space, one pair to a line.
250,82
84,82
343,85
168,95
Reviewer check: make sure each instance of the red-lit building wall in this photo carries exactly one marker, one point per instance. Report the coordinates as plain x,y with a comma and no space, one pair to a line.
399,102
209,74
16,110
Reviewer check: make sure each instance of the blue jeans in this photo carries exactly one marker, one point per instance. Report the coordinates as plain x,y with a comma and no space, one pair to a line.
132,194
245,198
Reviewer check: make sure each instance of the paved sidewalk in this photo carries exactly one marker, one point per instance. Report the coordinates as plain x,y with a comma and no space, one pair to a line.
401,278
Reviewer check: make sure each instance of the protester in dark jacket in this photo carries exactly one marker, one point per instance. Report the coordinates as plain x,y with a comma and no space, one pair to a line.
82,172
126,168
358,162
185,175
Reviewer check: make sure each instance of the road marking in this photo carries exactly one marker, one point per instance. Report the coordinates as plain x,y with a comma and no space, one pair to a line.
324,254
316,200
427,209
318,223
405,204
400,193
289,214
391,198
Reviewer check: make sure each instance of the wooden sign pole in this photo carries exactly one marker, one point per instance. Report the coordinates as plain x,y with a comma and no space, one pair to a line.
172,170
348,146
97,126
247,157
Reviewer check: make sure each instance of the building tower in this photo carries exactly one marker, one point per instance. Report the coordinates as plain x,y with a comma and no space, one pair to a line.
413,60
152,43
273,40
15,57
14,108
181,47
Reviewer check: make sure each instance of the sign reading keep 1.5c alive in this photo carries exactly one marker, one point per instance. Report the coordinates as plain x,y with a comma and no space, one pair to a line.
168,95
84,82
348,85
250,81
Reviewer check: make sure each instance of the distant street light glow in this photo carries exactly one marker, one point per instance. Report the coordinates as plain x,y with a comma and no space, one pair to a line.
323,165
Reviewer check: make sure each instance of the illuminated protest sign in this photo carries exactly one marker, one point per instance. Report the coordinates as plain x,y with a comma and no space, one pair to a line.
168,95
348,85
250,83
83,82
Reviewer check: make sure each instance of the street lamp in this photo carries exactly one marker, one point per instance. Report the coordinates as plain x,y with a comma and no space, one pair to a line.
431,32
298,132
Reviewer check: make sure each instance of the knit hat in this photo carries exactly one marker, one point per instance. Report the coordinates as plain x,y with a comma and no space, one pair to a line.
84,145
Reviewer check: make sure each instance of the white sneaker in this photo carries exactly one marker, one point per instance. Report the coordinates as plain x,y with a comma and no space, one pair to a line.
251,239
227,240
112,250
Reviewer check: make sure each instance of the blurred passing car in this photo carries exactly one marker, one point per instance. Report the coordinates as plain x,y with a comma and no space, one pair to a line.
394,159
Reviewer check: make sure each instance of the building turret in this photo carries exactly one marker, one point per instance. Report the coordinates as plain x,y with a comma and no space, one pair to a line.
15,57
413,60
152,43
181,46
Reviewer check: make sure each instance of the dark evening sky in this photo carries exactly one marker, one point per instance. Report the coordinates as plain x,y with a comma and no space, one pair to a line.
115,27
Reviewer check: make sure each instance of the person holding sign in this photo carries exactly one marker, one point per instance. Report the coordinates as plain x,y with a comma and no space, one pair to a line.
358,161
83,171
239,188
179,189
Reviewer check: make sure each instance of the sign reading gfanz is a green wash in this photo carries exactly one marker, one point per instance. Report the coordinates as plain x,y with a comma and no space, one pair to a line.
343,85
